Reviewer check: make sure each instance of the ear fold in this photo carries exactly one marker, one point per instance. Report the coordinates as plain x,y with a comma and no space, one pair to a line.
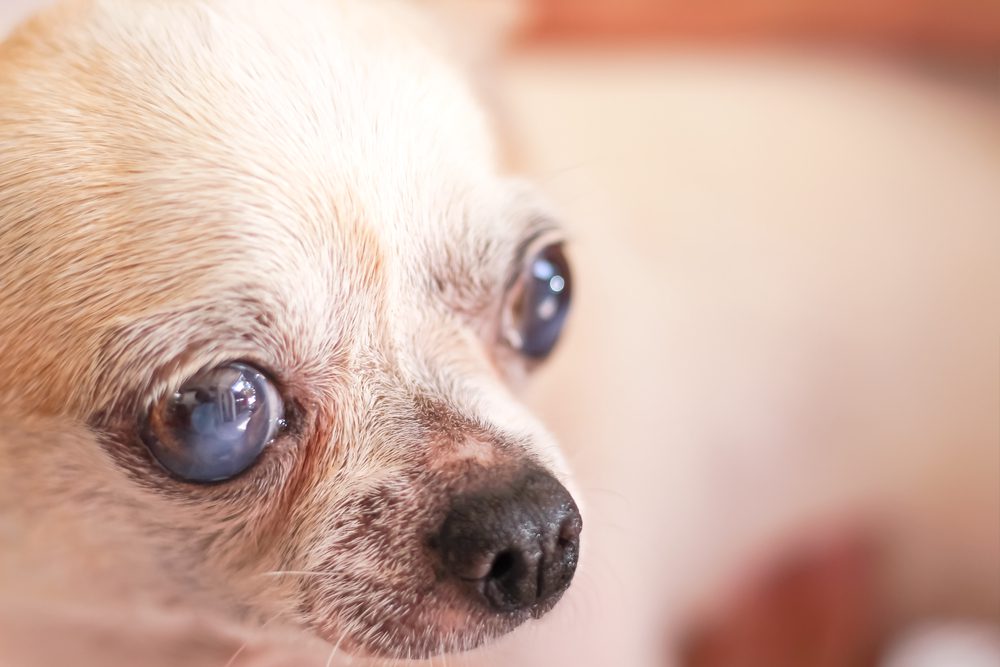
478,29
13,12
476,34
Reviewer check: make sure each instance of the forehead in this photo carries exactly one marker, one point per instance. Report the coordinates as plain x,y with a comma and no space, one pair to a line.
303,141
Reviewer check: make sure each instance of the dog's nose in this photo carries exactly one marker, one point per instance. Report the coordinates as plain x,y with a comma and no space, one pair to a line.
513,547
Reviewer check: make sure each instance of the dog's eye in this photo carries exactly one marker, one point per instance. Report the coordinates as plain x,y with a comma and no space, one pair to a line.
537,305
216,425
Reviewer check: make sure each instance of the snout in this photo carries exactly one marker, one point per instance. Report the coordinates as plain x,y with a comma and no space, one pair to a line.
512,547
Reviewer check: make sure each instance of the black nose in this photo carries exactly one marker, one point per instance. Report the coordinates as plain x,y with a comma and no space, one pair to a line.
513,546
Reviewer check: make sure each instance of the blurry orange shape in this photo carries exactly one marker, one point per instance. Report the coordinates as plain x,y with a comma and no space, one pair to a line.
967,27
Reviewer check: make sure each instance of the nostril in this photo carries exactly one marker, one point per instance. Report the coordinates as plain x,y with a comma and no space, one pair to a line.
570,527
569,532
510,583
502,565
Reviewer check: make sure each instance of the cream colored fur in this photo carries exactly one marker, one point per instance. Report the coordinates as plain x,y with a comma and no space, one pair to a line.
305,185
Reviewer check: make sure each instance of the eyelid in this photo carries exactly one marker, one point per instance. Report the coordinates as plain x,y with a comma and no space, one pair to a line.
544,230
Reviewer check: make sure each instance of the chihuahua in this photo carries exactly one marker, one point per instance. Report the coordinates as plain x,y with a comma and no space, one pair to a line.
266,301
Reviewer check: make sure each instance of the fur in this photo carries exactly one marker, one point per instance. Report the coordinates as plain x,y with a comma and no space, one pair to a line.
308,186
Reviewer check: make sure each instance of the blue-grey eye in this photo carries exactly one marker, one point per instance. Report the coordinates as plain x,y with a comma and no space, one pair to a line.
538,303
216,425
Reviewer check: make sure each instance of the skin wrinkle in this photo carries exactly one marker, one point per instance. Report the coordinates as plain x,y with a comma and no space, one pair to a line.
307,189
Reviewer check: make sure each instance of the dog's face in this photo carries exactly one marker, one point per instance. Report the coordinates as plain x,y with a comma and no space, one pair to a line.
264,253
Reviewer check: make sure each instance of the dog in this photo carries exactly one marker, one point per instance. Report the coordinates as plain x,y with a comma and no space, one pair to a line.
267,301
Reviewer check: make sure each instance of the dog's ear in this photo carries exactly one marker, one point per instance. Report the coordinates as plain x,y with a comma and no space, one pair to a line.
476,33
477,29
13,12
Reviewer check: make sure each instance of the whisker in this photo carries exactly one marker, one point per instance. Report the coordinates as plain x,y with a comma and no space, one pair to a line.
329,660
239,651
608,492
243,646
336,647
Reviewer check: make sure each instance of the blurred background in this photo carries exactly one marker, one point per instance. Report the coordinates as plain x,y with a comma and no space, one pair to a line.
780,390
940,27
781,385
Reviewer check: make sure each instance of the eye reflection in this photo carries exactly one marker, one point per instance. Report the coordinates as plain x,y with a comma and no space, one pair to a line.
539,303
216,425
221,414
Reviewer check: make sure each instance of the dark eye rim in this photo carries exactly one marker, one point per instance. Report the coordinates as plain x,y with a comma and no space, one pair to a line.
546,234
287,427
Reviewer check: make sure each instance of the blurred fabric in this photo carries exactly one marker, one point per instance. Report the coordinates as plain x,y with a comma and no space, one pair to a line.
967,27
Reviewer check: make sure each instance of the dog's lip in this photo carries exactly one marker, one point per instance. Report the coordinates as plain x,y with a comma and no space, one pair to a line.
448,626
427,644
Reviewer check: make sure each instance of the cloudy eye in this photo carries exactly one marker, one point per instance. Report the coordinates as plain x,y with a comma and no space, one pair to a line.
538,303
216,425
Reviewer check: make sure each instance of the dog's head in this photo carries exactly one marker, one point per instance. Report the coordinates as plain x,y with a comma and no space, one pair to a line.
263,251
